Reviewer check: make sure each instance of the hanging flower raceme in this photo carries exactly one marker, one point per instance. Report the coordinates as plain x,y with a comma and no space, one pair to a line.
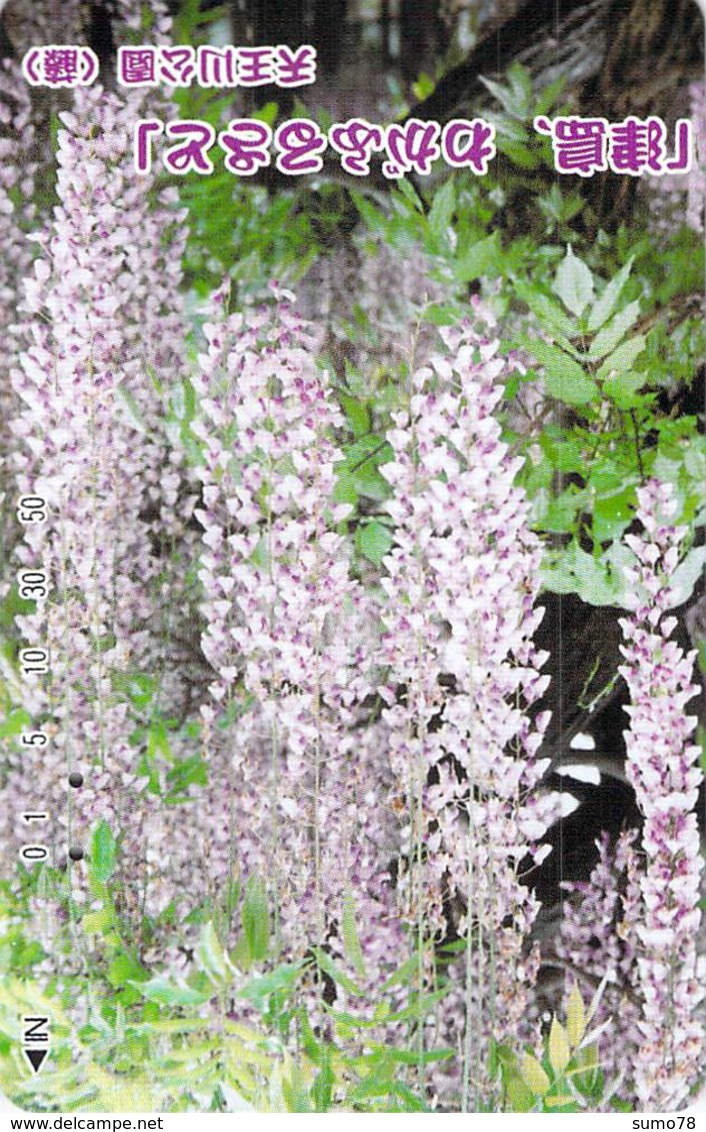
597,942
461,583
285,629
82,447
662,766
152,356
17,212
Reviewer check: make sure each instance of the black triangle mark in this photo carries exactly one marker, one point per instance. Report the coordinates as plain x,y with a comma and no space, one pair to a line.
35,1057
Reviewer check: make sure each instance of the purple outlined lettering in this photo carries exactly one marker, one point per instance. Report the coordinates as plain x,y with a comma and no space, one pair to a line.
356,140
142,147
137,66
413,146
60,65
579,144
300,143
246,146
479,149
295,66
192,155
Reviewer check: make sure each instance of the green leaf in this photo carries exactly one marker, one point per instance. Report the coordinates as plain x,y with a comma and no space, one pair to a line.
374,218
160,990
380,1087
563,1101
686,575
549,313
559,1047
322,1089
419,1006
622,388
14,723
374,540
566,453
125,969
596,581
440,314
515,97
607,338
519,1094
158,740
423,87
575,1017
405,972
441,211
414,1057
622,358
408,191
183,401
560,513
558,206
359,471
534,1075
211,956
573,283
141,689
98,923
616,560
357,414
187,772
351,942
103,852
548,96
520,154
334,972
565,378
482,258
294,1091
256,919
279,981
605,304
344,490
505,95
613,512
349,1022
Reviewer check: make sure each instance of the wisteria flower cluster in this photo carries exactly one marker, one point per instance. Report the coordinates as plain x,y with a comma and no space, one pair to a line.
464,676
663,768
17,215
636,921
286,635
96,319
597,943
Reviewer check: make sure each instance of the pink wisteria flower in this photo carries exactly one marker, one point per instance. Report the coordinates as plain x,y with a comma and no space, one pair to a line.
666,195
285,635
662,766
97,319
464,678
597,944
17,213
